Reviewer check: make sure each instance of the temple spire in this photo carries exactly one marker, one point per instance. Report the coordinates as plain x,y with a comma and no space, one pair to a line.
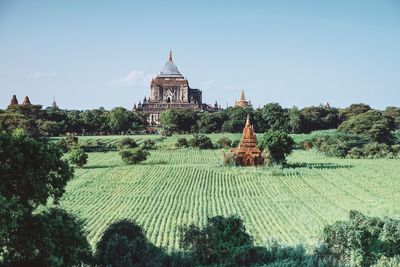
170,55
248,121
242,96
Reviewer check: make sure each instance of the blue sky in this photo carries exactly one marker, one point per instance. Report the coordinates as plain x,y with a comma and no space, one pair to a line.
89,54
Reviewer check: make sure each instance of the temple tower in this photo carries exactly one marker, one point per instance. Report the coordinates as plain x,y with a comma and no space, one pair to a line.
247,152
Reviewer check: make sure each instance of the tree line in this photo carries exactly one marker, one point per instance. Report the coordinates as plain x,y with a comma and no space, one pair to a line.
55,122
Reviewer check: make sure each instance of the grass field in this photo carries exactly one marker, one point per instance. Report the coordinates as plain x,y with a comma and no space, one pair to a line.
175,187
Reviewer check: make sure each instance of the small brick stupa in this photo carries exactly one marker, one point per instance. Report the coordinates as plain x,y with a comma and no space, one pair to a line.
14,101
247,152
26,101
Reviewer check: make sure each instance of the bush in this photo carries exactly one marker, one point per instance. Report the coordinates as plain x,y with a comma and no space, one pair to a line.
126,143
372,124
201,141
124,244
396,149
134,155
224,142
276,146
362,240
219,242
97,145
182,142
68,143
149,144
235,143
77,157
231,159
338,145
376,150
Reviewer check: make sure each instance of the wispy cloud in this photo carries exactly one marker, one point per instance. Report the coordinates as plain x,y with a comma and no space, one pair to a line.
134,78
207,84
38,75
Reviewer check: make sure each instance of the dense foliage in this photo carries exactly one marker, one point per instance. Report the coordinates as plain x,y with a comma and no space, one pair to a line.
78,157
276,145
363,240
372,124
31,172
54,121
124,244
134,155
200,141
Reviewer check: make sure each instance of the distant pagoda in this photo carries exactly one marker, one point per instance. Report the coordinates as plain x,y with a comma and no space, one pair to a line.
247,152
13,102
26,101
54,104
242,102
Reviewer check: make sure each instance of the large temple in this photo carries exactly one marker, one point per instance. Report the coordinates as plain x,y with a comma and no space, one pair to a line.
242,102
169,90
247,153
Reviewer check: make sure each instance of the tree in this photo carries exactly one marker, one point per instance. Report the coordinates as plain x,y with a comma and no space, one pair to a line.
319,118
371,124
126,142
276,146
178,121
354,110
78,157
362,240
394,113
50,238
201,141
235,118
121,120
134,155
210,122
31,170
219,242
296,120
124,244
273,117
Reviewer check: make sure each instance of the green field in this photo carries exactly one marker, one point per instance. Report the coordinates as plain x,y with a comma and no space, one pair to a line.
175,187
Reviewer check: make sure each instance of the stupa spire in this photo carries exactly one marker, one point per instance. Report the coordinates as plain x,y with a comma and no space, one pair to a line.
248,121
242,96
26,101
170,55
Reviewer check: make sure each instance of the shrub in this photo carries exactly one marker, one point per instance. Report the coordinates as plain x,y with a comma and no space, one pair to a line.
276,146
77,157
134,155
362,240
372,124
68,143
376,150
355,153
126,143
97,145
201,141
396,149
149,144
235,143
182,142
338,145
230,159
224,142
219,242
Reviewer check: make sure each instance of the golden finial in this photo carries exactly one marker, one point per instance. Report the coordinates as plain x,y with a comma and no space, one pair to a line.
242,97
